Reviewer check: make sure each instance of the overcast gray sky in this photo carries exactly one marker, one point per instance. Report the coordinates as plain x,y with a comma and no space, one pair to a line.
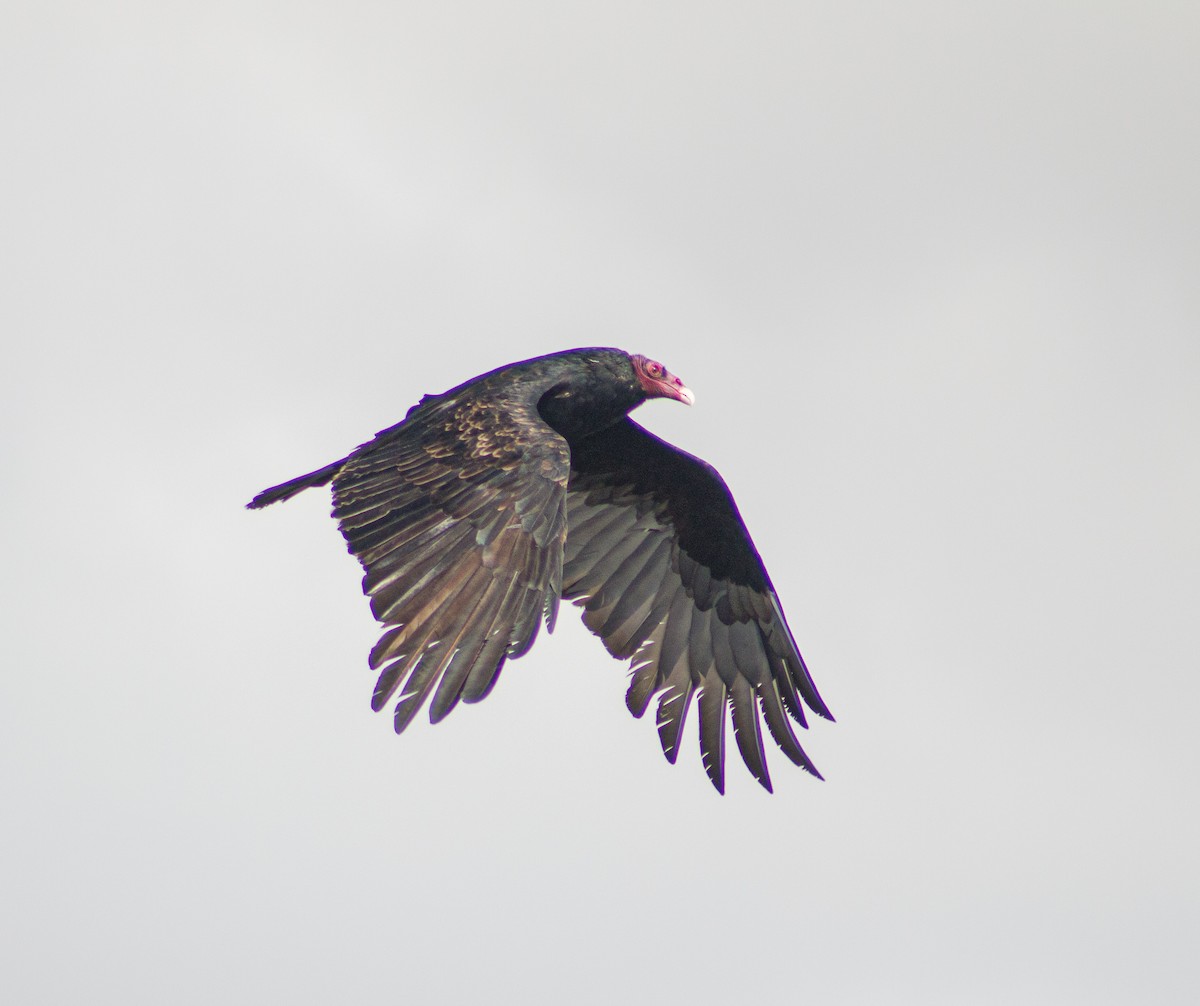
933,272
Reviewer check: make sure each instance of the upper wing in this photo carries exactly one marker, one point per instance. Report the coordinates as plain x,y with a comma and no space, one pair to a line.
458,517
659,558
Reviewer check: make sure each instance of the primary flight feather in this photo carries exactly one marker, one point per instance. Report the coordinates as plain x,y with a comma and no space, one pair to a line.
487,504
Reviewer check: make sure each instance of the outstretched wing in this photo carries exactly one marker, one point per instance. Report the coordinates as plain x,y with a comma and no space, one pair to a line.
658,557
458,518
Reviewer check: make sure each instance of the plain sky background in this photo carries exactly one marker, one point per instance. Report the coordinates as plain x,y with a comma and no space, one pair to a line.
933,272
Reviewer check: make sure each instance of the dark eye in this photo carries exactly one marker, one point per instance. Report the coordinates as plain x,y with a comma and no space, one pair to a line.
654,370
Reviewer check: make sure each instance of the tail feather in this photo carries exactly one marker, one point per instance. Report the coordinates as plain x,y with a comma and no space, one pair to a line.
321,477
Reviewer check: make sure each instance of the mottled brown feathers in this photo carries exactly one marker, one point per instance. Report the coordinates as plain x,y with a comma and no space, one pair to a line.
473,516
460,529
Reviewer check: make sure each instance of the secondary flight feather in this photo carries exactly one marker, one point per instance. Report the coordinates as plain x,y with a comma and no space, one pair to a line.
487,504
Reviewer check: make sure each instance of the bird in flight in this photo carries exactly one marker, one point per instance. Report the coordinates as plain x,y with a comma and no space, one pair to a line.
488,503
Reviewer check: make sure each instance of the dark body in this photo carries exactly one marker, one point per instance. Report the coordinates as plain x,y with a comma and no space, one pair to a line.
487,504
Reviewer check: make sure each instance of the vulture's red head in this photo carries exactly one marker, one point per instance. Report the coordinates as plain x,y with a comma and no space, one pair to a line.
658,382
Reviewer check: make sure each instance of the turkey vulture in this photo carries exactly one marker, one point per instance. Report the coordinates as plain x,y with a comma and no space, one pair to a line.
487,504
